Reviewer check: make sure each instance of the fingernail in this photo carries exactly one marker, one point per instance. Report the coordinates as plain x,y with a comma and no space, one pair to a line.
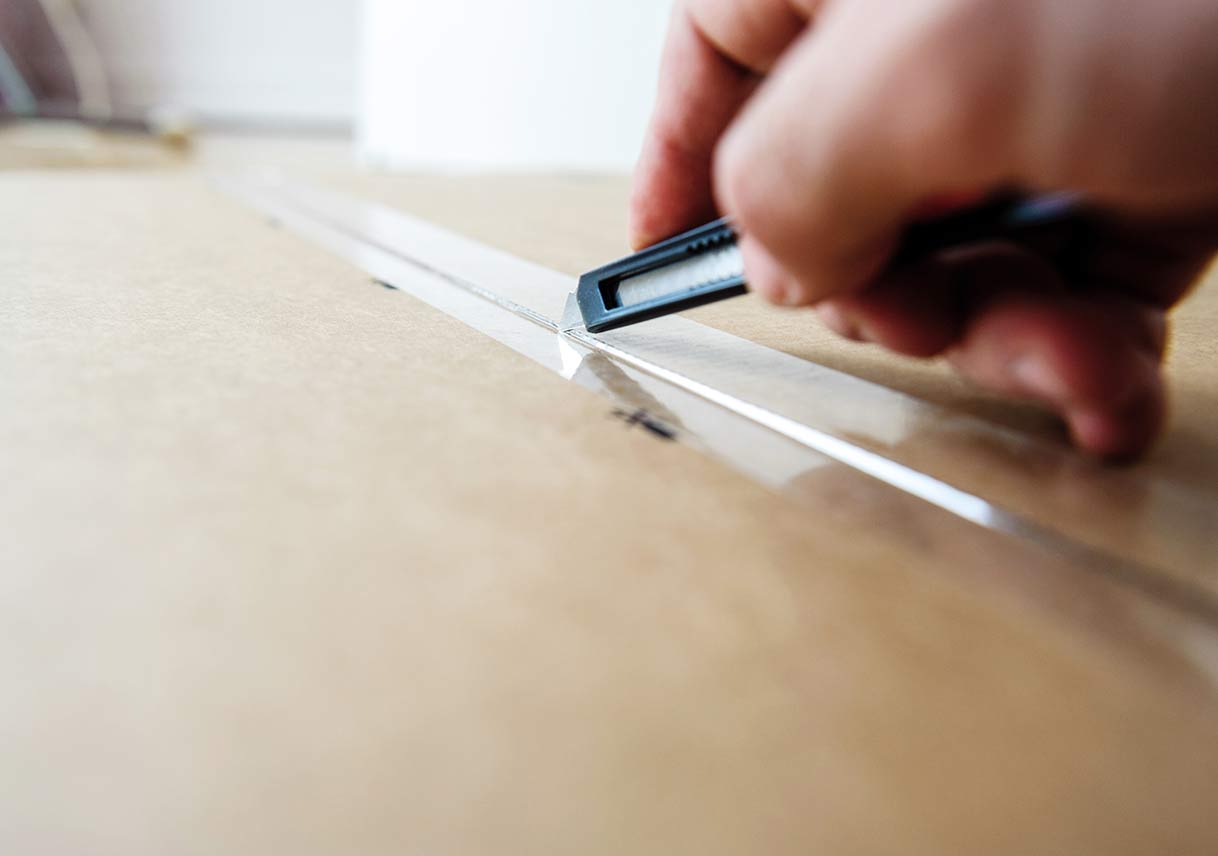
839,322
792,295
771,288
787,291
782,296
1036,377
766,276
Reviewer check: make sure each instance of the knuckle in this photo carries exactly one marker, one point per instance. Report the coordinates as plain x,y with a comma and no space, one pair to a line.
957,93
952,135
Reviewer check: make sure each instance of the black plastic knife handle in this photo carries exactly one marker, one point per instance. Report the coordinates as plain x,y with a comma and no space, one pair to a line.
1045,223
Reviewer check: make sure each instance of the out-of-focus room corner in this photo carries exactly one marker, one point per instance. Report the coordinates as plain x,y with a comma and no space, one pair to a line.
149,83
379,84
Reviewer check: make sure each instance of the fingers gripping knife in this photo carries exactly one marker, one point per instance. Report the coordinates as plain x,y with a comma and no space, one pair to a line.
705,265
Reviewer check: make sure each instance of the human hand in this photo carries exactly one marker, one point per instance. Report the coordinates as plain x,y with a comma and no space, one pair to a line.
824,127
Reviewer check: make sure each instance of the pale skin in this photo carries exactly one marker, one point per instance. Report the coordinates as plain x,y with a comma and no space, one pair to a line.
824,126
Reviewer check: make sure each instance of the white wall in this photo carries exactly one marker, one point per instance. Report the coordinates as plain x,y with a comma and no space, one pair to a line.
516,84
262,61
467,84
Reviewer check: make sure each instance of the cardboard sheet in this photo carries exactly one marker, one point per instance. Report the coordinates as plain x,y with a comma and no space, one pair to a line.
293,563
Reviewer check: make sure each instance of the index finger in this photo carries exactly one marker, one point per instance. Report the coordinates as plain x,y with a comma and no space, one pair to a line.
717,51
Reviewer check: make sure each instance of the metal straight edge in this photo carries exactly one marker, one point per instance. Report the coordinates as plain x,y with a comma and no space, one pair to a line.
831,417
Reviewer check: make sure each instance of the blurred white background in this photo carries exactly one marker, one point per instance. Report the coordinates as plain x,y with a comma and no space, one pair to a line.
458,84
549,84
251,62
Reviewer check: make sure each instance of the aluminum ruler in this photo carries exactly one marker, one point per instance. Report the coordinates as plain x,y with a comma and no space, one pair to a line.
1027,504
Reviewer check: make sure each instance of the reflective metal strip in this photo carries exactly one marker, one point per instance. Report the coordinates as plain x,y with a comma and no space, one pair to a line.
1152,533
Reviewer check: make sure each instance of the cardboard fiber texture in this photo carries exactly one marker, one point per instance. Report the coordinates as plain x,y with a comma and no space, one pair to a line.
293,563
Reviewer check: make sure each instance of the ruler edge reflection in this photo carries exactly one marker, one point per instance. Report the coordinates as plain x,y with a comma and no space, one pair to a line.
282,200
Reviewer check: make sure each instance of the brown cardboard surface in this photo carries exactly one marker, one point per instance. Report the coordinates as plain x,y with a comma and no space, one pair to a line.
296,564
577,222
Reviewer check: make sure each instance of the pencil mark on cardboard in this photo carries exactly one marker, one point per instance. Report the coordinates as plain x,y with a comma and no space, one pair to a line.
646,421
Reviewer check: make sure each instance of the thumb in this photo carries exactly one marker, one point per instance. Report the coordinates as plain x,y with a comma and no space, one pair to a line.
852,134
